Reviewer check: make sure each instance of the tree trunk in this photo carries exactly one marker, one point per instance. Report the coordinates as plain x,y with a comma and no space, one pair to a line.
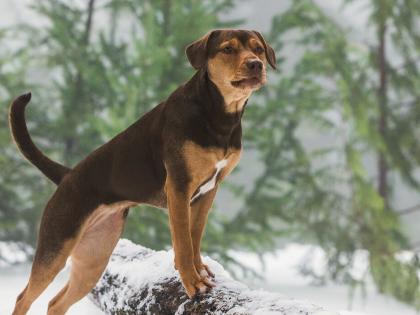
142,281
383,108
78,92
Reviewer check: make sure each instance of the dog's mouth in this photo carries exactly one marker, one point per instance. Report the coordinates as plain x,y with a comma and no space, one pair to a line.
251,82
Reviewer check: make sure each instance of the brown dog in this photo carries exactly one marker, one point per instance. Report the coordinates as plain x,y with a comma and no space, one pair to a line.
173,157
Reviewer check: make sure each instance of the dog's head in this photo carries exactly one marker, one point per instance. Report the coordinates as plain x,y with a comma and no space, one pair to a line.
235,59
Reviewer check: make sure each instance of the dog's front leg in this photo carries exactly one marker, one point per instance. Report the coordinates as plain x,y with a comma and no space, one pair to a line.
199,213
179,219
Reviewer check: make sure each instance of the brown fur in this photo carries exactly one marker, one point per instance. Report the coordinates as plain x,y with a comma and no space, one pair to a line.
161,160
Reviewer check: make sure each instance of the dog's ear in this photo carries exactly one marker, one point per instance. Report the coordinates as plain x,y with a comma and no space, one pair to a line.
269,51
197,52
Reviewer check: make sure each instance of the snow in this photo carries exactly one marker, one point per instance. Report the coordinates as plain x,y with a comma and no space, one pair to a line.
280,274
13,280
12,253
156,267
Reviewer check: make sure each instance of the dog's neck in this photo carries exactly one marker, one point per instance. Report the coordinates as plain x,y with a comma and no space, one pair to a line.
210,100
234,98
235,103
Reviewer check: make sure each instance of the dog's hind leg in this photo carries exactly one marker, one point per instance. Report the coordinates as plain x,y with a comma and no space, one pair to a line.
43,273
58,234
90,257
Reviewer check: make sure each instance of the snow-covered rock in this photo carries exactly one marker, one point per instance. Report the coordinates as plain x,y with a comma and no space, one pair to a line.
142,281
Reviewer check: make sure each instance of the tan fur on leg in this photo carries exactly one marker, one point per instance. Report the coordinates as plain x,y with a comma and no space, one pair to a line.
42,275
199,213
90,257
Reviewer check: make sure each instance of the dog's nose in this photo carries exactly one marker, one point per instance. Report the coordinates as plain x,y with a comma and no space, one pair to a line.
254,65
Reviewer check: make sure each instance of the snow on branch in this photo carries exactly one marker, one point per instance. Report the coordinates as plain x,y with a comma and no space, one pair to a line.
139,280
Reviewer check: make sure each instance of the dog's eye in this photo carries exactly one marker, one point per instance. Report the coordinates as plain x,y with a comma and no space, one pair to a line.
259,50
227,50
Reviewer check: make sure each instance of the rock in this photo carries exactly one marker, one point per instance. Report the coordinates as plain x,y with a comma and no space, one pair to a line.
139,280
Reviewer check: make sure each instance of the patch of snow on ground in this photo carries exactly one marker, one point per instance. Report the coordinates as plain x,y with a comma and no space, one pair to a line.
13,280
281,274
13,253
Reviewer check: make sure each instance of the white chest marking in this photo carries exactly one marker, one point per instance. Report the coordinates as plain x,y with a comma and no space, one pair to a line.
212,182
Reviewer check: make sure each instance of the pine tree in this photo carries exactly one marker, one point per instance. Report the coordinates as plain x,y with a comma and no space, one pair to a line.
364,106
68,54
61,110
18,206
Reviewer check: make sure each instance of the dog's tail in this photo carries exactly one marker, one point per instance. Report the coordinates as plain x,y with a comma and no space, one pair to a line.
53,170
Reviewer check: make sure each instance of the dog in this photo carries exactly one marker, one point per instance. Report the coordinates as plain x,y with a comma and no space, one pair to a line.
173,157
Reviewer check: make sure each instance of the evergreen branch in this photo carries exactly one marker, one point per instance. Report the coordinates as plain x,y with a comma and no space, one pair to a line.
411,102
409,210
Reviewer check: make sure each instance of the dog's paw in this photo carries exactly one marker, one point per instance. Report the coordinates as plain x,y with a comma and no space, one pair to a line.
205,271
194,284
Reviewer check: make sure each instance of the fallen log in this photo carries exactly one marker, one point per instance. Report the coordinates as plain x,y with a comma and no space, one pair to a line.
139,280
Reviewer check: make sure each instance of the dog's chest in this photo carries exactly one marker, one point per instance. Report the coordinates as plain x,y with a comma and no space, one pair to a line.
207,167
211,182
